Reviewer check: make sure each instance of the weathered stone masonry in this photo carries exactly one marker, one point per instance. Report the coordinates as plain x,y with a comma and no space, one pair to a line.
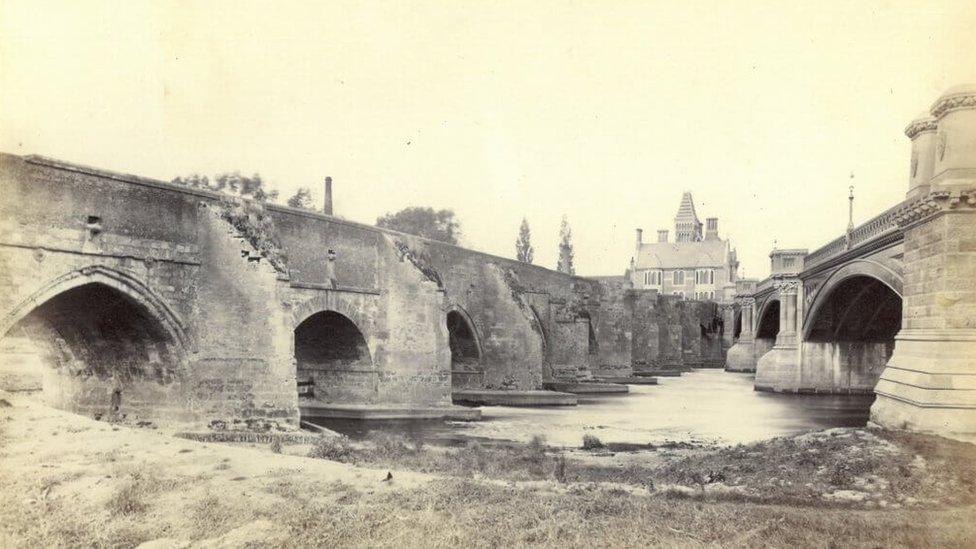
130,297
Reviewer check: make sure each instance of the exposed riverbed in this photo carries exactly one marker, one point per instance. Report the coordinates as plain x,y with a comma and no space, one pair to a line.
703,406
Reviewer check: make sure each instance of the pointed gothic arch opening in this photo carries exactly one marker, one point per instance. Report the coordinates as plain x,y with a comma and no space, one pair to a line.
466,369
92,345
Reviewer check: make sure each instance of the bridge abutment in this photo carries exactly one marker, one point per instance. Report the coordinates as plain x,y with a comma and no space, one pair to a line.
929,384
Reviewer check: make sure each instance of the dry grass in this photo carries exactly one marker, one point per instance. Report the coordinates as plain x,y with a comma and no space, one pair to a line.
112,497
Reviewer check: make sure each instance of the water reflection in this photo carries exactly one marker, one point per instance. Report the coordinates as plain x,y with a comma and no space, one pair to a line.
700,406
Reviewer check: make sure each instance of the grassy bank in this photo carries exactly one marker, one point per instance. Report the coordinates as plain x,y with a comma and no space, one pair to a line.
68,481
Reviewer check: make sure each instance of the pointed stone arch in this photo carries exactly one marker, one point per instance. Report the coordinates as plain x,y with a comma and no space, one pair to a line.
469,324
121,281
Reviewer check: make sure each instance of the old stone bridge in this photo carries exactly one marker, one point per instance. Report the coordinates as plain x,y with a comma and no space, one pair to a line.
890,306
133,298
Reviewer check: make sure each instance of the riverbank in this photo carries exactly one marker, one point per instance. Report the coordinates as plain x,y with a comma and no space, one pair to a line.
71,481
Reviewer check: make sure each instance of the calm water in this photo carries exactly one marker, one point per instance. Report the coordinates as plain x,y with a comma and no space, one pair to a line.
711,406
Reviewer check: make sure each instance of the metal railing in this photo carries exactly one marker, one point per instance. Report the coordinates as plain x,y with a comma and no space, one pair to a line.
871,229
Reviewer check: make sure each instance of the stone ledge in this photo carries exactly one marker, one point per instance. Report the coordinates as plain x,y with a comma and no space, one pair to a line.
485,397
380,411
586,388
813,391
627,380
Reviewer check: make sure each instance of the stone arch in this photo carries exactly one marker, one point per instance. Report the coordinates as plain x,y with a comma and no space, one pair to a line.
103,341
123,282
462,320
767,317
464,341
857,268
333,361
857,307
323,303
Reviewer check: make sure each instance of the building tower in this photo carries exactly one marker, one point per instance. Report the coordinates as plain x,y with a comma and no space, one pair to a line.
687,227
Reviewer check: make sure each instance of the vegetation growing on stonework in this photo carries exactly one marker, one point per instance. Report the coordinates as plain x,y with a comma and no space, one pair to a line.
302,199
565,264
231,183
242,207
252,222
422,263
440,225
523,246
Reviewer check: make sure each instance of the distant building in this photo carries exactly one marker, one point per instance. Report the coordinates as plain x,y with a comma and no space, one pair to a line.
693,266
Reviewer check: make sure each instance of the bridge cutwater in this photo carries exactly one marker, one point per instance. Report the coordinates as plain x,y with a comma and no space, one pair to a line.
129,297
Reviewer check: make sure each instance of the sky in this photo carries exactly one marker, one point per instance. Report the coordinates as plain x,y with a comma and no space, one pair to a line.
604,112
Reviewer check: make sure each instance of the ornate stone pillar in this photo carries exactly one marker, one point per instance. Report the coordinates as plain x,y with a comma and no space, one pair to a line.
929,383
728,324
742,356
786,338
778,370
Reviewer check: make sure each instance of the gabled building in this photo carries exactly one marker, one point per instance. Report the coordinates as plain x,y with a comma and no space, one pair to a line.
693,266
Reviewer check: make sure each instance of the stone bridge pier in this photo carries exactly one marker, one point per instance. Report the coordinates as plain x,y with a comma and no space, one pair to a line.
890,306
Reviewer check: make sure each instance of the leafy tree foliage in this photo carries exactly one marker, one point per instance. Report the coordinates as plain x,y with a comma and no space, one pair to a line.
302,199
523,246
565,264
427,222
232,183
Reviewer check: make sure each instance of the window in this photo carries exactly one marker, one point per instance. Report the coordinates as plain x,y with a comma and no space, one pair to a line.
679,294
678,277
652,278
788,261
705,276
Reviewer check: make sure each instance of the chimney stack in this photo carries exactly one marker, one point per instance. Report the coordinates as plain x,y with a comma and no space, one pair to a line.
662,235
711,228
640,236
327,201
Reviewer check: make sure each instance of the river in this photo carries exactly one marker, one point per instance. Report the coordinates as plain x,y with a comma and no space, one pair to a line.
702,406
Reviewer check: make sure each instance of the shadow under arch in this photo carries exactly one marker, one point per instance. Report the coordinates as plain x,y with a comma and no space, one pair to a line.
123,282
333,361
96,341
464,341
767,323
858,268
460,324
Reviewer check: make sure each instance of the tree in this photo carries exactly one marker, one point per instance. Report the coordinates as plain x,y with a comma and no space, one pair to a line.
426,222
232,183
565,264
302,199
523,246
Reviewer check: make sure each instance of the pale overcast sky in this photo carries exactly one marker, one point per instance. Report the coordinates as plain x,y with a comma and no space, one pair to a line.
603,111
